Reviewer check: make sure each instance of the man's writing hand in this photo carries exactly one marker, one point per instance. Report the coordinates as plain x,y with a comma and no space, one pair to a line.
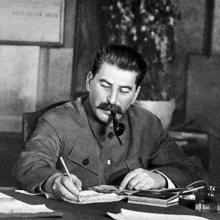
64,188
141,179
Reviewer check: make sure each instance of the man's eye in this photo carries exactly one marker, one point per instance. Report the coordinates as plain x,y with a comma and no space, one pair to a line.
124,90
105,85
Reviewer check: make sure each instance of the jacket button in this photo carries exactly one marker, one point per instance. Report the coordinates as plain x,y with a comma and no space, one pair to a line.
109,161
85,161
110,135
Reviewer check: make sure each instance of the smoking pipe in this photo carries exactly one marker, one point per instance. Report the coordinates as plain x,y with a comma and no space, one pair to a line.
118,128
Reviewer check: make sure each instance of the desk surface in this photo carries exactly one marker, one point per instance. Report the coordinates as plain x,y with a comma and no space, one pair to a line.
98,211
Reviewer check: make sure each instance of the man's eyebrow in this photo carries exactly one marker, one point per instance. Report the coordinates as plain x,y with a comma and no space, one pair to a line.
103,80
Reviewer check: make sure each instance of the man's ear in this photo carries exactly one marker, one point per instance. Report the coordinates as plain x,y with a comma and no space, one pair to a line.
136,95
88,80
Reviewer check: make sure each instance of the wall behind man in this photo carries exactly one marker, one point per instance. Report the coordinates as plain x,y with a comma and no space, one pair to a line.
197,68
189,39
32,77
61,71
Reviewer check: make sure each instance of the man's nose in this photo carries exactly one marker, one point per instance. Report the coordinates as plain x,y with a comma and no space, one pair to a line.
113,97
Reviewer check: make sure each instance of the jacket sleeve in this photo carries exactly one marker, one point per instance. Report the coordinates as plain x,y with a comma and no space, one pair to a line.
170,159
38,161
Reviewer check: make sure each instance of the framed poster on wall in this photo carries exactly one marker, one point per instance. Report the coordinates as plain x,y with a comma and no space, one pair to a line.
35,22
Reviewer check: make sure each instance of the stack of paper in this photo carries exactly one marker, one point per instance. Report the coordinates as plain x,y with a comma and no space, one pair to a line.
163,198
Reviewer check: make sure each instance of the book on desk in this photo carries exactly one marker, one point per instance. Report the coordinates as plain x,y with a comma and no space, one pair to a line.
163,198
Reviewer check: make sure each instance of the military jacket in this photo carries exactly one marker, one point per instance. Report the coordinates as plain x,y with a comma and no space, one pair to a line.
94,154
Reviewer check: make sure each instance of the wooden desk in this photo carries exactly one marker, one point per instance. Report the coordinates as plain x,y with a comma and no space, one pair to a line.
98,211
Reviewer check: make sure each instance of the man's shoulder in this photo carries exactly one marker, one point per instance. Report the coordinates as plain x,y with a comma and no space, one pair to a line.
70,109
142,117
139,112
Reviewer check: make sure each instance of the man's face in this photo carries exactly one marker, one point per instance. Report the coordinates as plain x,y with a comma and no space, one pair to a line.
111,86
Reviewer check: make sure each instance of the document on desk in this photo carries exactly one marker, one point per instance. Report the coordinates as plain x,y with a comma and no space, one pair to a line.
86,196
11,207
102,193
90,196
94,194
135,215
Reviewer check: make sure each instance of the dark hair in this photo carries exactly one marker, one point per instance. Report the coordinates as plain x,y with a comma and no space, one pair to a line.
124,57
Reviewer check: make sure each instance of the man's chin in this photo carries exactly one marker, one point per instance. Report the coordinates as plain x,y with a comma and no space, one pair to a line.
106,120
105,117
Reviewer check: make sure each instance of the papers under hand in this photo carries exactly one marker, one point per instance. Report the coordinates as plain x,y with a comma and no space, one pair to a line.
112,189
91,196
102,193
86,197
134,215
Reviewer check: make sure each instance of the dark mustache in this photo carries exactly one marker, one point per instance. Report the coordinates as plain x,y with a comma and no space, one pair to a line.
108,107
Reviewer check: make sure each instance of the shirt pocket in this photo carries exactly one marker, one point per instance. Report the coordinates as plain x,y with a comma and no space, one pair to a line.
79,162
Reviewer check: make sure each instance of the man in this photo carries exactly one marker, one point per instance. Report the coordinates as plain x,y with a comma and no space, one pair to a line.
141,157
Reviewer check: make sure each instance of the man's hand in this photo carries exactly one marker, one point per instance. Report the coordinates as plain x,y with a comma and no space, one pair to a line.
63,188
141,179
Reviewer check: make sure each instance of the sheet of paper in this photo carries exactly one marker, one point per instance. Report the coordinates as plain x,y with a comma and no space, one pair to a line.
4,196
134,215
86,196
10,205
112,189
20,207
91,196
